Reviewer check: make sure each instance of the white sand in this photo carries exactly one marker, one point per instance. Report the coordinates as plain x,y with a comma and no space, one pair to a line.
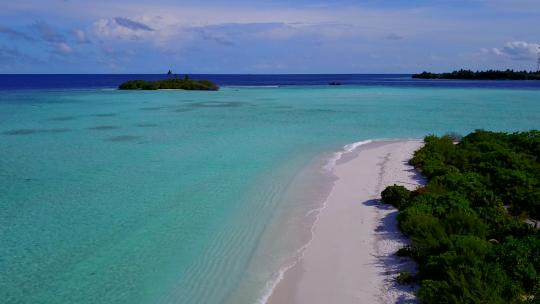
351,257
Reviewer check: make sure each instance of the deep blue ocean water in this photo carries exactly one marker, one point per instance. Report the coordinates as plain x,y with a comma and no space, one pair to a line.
111,196
20,82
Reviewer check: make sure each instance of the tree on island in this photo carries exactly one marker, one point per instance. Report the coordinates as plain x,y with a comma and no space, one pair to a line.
481,75
170,83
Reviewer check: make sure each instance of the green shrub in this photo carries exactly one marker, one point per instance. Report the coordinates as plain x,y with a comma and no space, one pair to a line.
467,224
396,195
405,278
171,83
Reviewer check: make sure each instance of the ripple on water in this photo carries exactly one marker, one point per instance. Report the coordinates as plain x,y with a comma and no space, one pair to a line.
150,108
62,118
217,104
20,132
57,130
122,138
35,131
145,125
182,110
104,127
104,115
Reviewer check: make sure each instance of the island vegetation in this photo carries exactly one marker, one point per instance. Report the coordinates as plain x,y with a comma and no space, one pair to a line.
481,75
473,225
169,83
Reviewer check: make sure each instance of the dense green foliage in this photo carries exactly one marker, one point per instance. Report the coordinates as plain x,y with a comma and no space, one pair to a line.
405,277
171,83
481,75
467,225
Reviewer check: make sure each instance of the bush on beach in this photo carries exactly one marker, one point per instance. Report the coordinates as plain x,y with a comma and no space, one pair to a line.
396,195
467,225
405,278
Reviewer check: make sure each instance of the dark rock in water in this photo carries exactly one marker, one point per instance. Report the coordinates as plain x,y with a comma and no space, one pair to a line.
335,83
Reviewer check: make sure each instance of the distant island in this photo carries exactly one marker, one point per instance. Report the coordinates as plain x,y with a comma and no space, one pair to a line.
481,75
170,84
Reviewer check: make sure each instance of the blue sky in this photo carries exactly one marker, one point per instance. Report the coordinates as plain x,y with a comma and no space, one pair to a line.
241,36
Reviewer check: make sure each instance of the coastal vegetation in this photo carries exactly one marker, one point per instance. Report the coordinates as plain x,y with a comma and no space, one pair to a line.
481,75
472,226
171,83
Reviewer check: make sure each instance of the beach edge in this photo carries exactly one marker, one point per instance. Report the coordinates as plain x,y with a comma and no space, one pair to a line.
351,256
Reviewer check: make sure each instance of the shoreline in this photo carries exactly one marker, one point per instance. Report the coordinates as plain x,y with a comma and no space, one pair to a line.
350,255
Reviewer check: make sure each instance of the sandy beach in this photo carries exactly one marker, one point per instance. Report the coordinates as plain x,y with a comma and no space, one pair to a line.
351,256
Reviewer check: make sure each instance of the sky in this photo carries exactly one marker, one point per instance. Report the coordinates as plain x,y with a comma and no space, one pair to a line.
267,37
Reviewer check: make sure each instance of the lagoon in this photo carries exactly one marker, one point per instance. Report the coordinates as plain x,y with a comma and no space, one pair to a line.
173,196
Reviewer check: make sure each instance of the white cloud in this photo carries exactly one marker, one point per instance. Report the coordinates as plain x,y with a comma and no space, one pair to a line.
516,50
80,36
121,29
64,48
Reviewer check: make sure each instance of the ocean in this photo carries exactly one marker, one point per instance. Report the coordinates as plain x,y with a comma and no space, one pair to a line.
111,196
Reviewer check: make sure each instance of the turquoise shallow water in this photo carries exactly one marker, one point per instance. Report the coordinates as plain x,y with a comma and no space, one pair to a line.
162,197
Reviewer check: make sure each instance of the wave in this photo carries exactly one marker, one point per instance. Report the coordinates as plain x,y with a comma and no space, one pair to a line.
251,86
329,166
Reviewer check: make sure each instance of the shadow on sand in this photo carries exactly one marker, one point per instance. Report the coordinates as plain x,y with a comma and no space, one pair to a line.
415,174
391,264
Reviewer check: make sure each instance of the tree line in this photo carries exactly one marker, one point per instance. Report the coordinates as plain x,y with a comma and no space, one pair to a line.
481,75
171,83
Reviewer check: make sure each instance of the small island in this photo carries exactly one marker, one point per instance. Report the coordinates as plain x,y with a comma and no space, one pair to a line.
481,75
172,83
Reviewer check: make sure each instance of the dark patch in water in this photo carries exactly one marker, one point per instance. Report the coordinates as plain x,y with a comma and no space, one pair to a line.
121,138
34,131
20,132
104,128
182,110
145,125
217,104
282,107
322,111
150,108
104,115
62,118
59,130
